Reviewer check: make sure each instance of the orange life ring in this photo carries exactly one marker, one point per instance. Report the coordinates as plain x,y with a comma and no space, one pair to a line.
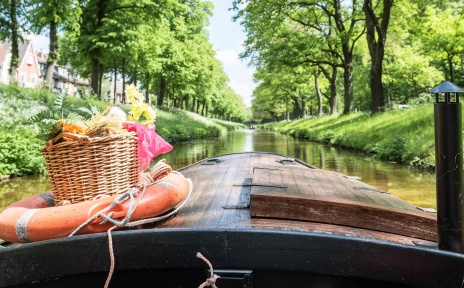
33,219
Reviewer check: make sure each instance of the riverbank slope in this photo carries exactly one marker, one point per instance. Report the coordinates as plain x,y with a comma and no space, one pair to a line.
20,149
402,136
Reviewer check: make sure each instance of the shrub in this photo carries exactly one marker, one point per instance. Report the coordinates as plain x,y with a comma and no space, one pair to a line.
327,137
20,155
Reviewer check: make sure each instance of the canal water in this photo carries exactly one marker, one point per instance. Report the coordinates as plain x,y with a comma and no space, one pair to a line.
413,185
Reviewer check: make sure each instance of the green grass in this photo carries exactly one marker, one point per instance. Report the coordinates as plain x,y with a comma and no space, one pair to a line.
176,125
403,136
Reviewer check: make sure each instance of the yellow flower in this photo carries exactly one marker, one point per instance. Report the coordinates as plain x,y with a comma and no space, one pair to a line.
150,114
133,93
140,112
137,110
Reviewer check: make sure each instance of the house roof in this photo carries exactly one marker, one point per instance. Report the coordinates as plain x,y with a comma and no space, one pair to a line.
42,57
22,49
4,46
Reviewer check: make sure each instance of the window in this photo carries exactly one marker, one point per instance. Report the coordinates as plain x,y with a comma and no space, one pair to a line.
33,79
22,79
29,59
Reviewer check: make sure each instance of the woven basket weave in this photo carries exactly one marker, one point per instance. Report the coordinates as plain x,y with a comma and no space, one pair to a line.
82,168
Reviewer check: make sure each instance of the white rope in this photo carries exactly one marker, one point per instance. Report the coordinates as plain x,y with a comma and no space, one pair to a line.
159,218
211,281
107,217
132,206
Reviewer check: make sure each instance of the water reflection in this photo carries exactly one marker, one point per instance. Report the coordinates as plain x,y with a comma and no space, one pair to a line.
415,186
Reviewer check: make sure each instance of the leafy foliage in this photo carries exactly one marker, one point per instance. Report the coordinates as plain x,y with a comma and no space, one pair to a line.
309,39
49,121
20,155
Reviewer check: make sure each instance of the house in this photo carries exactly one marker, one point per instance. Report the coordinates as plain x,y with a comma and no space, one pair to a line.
28,69
65,79
115,96
32,70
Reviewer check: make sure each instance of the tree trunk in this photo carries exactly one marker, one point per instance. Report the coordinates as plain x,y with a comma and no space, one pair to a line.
147,92
377,92
192,109
348,78
318,94
162,91
115,80
95,75
95,71
303,108
333,91
287,114
52,55
186,101
376,35
450,65
296,108
169,97
333,88
123,76
389,98
14,65
100,81
347,50
203,108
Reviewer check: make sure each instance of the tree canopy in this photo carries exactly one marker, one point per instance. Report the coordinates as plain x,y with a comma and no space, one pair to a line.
161,46
311,57
374,53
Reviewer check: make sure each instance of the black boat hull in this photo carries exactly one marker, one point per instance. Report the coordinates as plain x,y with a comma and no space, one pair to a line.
243,257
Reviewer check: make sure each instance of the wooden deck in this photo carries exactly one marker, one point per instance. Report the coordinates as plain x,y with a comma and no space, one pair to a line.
268,191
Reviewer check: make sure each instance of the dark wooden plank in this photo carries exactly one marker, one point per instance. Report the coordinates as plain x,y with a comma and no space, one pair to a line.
288,225
280,205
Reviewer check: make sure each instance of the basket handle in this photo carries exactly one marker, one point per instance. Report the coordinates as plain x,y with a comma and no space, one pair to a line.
76,137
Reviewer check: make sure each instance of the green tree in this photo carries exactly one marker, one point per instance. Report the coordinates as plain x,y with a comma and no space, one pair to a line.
13,25
54,16
322,17
443,38
376,34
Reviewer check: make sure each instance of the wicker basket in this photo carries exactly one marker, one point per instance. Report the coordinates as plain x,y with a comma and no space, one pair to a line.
82,168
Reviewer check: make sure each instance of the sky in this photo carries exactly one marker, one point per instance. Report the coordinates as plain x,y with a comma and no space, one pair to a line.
227,38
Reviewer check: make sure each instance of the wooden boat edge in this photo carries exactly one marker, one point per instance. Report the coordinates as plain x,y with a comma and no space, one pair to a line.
235,249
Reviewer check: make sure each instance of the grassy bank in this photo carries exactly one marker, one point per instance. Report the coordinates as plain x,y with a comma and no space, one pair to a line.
403,136
20,149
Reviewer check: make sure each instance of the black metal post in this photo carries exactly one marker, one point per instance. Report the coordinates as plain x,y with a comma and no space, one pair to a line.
449,169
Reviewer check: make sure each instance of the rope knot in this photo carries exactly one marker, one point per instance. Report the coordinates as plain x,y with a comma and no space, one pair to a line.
211,281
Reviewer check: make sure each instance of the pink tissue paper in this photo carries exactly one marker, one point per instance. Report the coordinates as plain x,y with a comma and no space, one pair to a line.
150,143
